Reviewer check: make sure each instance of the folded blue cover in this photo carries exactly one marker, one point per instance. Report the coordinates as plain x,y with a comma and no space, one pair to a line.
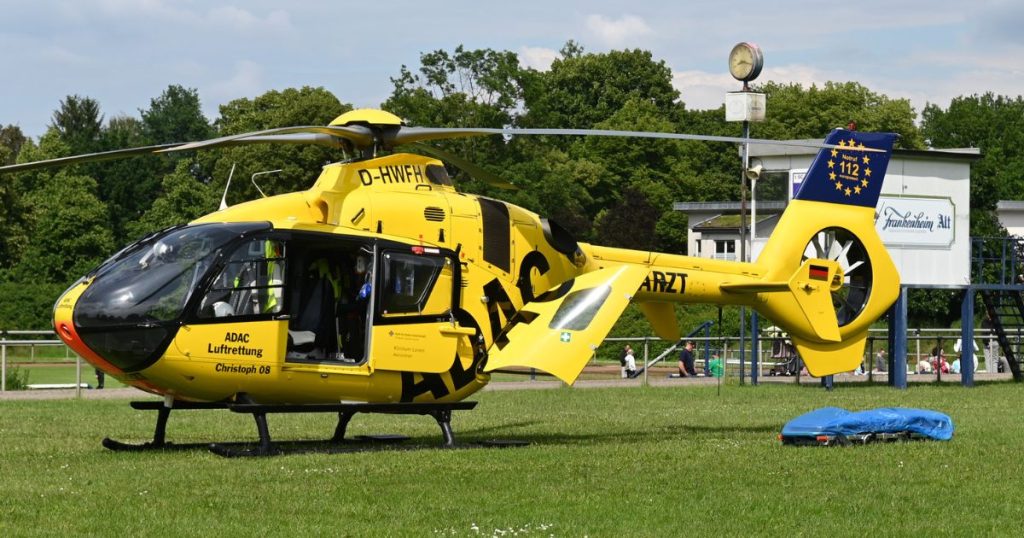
836,421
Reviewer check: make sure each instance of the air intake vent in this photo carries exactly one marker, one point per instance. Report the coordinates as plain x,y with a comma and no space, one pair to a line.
434,214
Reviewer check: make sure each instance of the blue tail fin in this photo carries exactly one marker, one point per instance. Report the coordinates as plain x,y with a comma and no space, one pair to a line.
846,174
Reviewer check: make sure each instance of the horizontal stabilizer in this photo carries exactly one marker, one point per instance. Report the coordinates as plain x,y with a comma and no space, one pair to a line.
810,286
755,287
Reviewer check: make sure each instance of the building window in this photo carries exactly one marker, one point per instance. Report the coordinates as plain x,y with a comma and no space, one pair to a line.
725,250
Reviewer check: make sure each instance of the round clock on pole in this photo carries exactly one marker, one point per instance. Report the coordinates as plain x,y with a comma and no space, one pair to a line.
745,62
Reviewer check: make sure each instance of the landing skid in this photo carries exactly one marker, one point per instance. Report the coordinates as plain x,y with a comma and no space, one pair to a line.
441,412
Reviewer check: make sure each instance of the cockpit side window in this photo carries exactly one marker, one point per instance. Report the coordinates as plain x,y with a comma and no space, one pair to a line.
250,284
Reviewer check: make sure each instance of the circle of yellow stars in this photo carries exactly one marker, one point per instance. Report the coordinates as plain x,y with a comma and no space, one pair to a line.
867,171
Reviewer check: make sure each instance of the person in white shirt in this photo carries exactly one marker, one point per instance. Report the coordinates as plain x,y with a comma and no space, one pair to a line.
630,362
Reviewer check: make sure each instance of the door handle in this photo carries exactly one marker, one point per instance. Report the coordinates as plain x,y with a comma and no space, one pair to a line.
458,331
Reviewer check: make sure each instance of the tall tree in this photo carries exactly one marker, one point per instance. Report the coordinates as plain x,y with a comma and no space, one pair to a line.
798,112
995,125
175,116
299,165
69,230
184,198
581,90
129,186
463,88
11,140
78,122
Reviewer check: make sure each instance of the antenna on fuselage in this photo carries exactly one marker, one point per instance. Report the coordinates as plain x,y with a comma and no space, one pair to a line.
260,174
224,198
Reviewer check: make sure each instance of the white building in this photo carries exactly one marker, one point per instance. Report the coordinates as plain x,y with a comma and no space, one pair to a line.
1011,216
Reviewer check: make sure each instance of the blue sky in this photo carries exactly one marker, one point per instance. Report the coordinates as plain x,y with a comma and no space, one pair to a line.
125,52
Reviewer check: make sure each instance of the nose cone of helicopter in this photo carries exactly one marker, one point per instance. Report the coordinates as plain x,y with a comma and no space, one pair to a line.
63,324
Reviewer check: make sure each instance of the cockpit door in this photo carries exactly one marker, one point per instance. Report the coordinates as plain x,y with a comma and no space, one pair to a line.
414,329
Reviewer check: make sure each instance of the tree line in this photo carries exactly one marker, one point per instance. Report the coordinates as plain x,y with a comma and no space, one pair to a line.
59,223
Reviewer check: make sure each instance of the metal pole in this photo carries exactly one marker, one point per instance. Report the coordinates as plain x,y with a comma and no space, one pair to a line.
899,348
870,359
743,243
78,377
743,193
647,365
753,216
755,349
967,339
725,364
3,366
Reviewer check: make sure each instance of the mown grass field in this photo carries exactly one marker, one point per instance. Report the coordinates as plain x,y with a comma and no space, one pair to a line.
666,461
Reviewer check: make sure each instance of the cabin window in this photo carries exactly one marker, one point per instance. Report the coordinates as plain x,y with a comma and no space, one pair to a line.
250,284
415,284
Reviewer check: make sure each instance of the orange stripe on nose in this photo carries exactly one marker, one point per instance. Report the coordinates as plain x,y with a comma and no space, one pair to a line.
66,331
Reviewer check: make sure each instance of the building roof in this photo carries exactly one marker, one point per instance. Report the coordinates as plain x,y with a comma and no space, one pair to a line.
729,222
1009,205
727,207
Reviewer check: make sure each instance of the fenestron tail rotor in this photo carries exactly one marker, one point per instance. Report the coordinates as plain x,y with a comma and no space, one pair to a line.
846,249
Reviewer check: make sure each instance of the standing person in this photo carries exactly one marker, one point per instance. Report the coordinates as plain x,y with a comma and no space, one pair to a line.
622,359
880,362
630,363
100,376
686,361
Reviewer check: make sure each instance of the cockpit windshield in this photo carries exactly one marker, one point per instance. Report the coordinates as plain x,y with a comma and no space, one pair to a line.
138,292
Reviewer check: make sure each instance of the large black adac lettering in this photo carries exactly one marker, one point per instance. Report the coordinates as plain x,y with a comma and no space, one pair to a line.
498,301
533,260
459,376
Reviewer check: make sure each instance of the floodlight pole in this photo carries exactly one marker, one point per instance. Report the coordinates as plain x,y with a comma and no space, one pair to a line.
745,62
743,240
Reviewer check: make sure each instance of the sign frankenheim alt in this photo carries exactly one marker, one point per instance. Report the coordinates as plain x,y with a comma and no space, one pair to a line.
913,221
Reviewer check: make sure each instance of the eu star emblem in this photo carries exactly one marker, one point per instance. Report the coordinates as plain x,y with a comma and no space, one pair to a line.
566,336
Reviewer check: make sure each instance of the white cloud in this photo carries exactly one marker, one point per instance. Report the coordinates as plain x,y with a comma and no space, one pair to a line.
616,32
164,13
62,56
538,58
241,19
245,80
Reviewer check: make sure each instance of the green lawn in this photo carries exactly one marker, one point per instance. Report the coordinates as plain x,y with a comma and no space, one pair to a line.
602,462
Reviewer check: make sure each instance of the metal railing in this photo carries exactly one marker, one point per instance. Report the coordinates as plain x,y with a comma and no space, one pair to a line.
20,339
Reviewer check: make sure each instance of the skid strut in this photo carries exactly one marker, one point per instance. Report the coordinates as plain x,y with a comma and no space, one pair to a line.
441,412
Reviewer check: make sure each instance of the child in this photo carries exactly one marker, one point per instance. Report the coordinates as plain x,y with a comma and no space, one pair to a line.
630,362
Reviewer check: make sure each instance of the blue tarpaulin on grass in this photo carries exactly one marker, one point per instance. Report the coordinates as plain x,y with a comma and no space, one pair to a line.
836,421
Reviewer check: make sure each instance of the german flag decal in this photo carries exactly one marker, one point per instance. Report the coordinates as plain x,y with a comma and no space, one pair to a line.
819,272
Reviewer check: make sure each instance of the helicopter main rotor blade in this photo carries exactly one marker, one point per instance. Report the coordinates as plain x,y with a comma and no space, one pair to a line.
361,137
468,166
298,138
85,158
407,135
316,139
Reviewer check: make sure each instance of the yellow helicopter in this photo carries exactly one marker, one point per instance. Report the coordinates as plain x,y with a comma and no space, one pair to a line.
383,288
